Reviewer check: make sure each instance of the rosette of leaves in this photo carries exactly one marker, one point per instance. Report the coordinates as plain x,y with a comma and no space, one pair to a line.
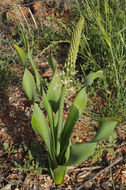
57,134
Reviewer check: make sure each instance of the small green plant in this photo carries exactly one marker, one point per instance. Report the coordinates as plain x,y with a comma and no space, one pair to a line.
28,164
6,146
7,61
34,162
55,133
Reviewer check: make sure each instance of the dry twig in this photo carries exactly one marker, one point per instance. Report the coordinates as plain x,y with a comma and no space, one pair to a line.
32,17
99,173
13,182
19,8
83,169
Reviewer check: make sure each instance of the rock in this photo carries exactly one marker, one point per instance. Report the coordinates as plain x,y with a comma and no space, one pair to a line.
35,188
88,185
106,185
4,129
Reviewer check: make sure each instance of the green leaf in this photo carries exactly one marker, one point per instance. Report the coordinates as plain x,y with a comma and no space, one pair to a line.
80,152
40,126
59,174
67,154
48,110
54,91
56,119
106,127
28,85
52,63
76,111
60,121
50,116
92,76
37,75
6,146
21,54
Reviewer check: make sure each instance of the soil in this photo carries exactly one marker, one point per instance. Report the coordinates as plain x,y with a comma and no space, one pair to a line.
16,130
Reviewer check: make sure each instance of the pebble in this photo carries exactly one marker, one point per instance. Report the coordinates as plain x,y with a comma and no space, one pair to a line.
106,185
11,114
117,186
35,188
4,129
11,99
88,185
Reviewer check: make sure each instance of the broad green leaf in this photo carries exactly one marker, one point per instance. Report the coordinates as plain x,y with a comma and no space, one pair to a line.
92,76
40,126
54,91
28,85
37,75
106,127
56,119
50,117
52,63
21,54
56,124
48,110
80,152
59,174
60,121
76,111
67,154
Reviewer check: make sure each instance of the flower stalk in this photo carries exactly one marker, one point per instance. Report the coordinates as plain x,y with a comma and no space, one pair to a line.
73,50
